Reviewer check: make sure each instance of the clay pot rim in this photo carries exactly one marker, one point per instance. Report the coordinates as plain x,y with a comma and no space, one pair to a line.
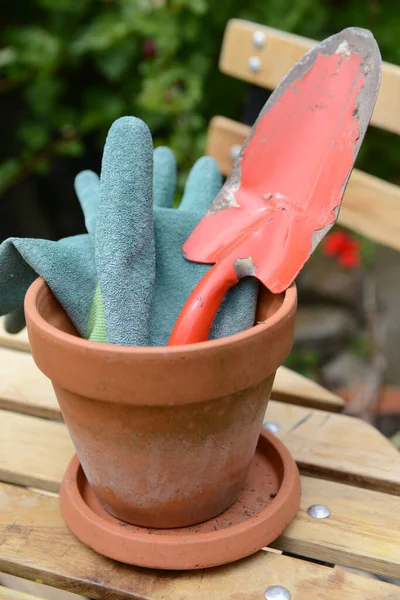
38,288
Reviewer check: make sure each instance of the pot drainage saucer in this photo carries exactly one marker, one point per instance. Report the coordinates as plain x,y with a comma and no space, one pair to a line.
266,505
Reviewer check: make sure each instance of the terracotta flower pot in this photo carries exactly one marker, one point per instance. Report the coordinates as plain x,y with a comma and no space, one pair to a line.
165,435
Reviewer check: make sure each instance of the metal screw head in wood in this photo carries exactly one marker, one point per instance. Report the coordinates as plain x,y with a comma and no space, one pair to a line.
318,511
258,39
277,592
271,426
254,64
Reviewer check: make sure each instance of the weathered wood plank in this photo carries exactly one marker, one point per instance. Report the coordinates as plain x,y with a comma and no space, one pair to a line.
36,544
370,205
292,387
24,388
357,534
280,53
23,589
19,341
9,594
33,452
337,447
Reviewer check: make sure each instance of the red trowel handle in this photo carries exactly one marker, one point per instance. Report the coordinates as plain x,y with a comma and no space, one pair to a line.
195,319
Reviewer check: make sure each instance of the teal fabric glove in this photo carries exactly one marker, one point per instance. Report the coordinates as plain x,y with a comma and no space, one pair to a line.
127,281
175,276
121,248
15,322
67,266
124,243
143,293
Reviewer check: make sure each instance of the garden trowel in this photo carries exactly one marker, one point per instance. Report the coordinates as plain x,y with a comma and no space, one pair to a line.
285,188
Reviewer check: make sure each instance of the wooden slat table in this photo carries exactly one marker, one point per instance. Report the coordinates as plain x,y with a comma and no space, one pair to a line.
345,464
9,594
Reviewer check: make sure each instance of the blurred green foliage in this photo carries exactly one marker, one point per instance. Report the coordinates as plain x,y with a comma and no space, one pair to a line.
304,361
76,65
396,440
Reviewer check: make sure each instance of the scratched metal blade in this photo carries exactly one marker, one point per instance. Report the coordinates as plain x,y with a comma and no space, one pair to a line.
285,189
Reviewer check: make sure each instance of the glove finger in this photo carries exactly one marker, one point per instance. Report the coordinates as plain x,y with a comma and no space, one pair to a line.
15,322
87,188
125,254
238,309
16,275
67,266
164,177
202,185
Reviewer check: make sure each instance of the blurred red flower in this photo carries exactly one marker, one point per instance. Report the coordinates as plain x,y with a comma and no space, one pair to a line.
149,48
344,247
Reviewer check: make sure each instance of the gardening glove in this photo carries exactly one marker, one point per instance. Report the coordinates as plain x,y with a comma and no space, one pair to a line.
175,276
67,266
15,322
144,280
124,241
18,272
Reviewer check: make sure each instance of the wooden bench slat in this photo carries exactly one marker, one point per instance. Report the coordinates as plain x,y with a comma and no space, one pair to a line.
9,594
292,387
280,53
370,205
23,589
25,389
337,447
36,543
18,341
358,533
35,452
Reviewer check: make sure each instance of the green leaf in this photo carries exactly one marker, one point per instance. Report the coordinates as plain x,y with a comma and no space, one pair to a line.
34,47
7,56
102,107
33,134
71,148
171,92
65,6
100,34
78,64
42,167
198,7
304,361
8,169
42,95
116,61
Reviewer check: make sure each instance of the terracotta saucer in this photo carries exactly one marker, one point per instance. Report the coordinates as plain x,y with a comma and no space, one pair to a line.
267,504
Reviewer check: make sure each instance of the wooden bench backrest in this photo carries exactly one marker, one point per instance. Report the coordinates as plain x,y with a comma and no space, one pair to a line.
262,56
